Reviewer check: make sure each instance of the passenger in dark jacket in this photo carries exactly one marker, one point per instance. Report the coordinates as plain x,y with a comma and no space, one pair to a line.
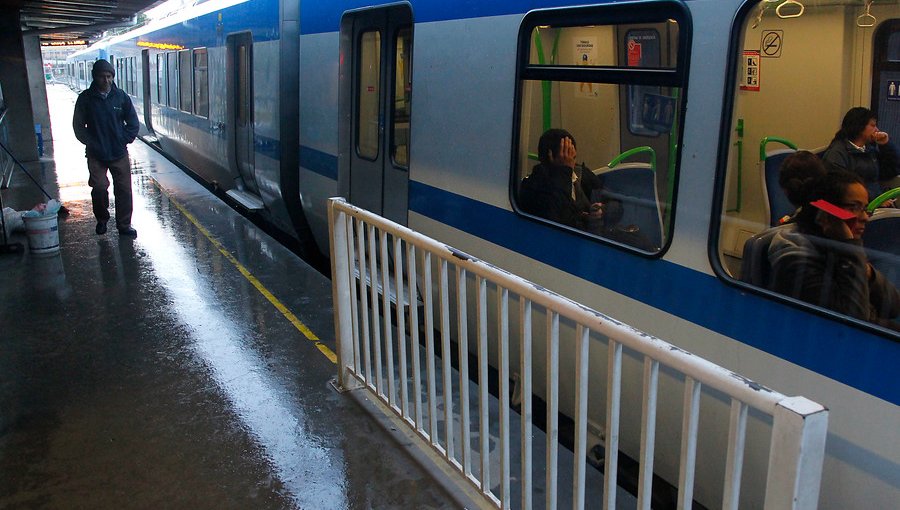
859,147
104,120
558,189
823,262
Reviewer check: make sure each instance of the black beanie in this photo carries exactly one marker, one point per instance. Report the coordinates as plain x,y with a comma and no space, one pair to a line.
102,66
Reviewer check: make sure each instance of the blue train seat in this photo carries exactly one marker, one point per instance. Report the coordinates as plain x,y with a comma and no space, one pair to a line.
777,204
882,242
634,184
755,267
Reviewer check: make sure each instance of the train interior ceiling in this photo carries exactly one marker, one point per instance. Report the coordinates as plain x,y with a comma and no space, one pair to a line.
810,70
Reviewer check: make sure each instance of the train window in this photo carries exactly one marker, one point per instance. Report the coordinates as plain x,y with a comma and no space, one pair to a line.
369,92
185,90
201,83
172,78
402,97
798,82
161,78
611,79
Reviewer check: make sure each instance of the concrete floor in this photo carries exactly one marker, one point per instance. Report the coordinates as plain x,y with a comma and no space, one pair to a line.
151,373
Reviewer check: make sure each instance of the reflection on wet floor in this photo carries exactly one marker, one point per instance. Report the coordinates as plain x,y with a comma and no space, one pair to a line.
151,373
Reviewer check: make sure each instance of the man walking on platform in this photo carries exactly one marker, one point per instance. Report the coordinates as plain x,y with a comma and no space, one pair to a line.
105,122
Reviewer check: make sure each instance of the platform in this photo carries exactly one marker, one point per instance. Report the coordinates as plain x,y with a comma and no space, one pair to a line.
186,368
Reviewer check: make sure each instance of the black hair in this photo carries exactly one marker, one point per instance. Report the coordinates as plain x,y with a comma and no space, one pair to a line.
832,186
855,121
796,171
549,143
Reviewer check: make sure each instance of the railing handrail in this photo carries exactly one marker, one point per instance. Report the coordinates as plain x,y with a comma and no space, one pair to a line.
706,372
798,426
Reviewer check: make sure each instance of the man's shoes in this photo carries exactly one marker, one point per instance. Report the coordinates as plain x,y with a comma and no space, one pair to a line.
127,231
101,228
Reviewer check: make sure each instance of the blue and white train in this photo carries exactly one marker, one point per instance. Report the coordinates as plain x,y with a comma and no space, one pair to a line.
428,112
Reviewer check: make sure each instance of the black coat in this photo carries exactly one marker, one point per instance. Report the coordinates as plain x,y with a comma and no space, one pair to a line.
877,163
105,126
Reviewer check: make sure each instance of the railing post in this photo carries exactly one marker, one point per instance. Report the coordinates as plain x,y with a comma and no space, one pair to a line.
796,455
340,274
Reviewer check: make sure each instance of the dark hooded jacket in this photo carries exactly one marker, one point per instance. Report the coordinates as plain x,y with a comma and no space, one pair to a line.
105,125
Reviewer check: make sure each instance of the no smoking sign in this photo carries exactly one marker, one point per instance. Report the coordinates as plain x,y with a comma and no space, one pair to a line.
770,43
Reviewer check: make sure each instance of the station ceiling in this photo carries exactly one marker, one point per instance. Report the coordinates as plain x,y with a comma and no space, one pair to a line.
71,20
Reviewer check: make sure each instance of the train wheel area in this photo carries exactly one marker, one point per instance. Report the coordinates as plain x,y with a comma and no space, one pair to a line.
187,367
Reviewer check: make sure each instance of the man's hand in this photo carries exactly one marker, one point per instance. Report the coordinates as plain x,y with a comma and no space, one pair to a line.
566,154
881,137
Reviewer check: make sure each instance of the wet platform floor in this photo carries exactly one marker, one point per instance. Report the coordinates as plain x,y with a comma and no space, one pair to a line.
153,373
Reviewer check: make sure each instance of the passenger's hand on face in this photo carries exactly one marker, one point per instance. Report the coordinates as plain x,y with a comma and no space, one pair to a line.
881,138
566,154
596,210
833,227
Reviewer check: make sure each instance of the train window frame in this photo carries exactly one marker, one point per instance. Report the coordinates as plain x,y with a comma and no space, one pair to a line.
674,77
743,18
200,85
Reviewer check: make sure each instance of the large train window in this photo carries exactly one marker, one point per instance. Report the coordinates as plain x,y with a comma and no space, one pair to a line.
201,83
600,99
172,79
161,78
185,69
804,127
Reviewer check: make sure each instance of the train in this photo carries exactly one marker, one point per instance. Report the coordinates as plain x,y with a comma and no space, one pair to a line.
428,112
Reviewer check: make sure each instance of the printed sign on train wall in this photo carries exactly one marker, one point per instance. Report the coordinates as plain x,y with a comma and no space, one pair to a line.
750,76
770,43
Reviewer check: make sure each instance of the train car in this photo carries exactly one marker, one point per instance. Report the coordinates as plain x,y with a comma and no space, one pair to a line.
429,113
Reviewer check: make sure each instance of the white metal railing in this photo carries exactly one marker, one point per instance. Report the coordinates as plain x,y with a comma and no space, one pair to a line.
369,249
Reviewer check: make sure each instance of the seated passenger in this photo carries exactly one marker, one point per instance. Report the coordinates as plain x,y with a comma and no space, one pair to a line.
558,189
823,261
794,175
859,147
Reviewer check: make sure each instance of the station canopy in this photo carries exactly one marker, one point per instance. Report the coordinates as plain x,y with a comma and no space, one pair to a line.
61,22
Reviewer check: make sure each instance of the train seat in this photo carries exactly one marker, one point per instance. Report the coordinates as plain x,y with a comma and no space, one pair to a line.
755,267
776,202
634,184
880,241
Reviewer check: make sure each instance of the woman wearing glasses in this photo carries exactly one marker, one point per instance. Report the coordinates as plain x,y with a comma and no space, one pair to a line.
823,262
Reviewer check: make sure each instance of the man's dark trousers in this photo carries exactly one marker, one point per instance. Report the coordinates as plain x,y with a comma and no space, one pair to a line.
99,183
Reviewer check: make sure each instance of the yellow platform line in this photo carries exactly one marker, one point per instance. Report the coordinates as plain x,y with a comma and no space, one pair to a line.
253,280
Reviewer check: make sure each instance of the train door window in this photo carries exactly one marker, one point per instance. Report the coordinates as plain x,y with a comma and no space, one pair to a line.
612,79
402,95
201,83
185,90
369,93
161,81
172,77
798,80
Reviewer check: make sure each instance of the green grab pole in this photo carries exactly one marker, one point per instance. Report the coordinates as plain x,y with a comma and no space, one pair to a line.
670,173
533,156
887,195
631,152
766,140
739,129
545,85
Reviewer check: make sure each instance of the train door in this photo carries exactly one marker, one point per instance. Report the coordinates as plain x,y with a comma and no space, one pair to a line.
239,77
145,89
886,77
378,43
